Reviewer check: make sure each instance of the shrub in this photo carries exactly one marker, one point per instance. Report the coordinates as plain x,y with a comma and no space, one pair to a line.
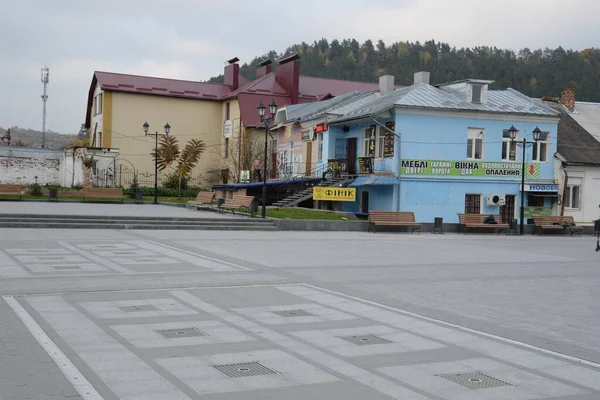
35,189
171,181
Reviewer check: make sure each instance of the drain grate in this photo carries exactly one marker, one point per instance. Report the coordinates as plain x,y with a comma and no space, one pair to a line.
139,308
244,369
293,313
180,333
475,380
364,340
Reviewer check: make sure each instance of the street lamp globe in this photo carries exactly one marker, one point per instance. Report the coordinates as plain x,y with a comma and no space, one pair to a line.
513,132
146,127
167,128
273,107
537,134
261,109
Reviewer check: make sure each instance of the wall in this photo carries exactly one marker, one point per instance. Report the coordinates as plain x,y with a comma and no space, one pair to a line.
20,165
380,198
188,119
589,179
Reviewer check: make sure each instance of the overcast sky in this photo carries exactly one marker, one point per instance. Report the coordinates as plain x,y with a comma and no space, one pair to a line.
191,39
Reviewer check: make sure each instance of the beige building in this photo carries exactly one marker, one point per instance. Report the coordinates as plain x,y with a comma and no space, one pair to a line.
223,115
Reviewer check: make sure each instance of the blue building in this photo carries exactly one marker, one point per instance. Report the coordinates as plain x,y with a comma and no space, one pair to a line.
444,149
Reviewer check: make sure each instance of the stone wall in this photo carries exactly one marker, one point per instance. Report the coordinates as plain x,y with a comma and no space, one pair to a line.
19,165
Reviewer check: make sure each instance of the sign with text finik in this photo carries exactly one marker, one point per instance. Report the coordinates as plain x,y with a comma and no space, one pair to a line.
467,168
334,193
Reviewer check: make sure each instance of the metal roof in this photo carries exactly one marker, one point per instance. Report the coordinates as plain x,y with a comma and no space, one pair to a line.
422,95
375,180
303,111
588,116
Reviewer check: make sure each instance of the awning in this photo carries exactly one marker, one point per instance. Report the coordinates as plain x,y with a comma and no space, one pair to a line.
375,180
542,194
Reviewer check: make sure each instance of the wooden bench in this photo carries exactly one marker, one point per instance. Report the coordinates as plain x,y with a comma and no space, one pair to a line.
237,202
554,223
103,193
202,199
9,189
476,221
393,218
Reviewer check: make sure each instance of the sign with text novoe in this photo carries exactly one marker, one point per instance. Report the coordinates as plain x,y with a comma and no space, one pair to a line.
536,187
334,194
467,168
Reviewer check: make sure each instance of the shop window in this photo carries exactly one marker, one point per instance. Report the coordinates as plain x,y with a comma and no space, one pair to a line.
509,147
535,201
573,198
475,138
472,203
540,149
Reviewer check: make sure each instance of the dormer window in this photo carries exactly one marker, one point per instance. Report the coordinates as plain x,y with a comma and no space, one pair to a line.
476,93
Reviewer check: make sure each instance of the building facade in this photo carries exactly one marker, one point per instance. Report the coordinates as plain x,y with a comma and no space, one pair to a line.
443,150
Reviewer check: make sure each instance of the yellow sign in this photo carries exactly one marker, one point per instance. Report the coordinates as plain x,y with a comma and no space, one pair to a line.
334,193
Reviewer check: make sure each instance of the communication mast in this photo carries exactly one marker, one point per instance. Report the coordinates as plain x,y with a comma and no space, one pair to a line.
45,80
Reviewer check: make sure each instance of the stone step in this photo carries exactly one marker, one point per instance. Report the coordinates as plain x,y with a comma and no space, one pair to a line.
135,221
91,225
12,217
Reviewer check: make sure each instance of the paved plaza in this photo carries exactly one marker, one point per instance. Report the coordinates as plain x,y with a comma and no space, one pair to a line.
297,315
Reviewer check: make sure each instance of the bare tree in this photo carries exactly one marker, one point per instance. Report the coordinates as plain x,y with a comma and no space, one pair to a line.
240,155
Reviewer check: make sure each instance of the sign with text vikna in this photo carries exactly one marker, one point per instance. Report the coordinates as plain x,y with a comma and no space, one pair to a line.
467,168
334,194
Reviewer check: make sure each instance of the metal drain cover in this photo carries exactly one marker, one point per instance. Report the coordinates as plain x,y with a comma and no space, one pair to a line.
140,308
244,369
180,333
365,340
293,313
475,380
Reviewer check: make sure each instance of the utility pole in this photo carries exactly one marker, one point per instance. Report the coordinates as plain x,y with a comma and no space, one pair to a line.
45,77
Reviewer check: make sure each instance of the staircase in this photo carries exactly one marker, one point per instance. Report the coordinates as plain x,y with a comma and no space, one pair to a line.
113,222
305,194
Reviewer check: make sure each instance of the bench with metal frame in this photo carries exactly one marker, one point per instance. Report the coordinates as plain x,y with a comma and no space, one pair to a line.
393,218
238,202
475,221
203,198
9,189
556,222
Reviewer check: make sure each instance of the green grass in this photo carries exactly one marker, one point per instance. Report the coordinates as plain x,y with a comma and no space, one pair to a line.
300,213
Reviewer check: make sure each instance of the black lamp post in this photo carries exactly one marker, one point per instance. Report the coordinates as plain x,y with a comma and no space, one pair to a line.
537,134
156,135
266,120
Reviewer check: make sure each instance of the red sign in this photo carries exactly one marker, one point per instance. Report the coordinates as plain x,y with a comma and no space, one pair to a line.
321,128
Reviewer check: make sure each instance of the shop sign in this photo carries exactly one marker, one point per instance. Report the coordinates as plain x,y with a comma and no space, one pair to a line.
467,168
365,165
334,194
388,140
245,175
540,188
321,128
542,211
228,129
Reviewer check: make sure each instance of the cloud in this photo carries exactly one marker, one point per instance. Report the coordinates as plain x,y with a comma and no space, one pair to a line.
191,39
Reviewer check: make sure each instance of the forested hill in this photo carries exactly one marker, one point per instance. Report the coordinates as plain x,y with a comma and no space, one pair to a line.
534,72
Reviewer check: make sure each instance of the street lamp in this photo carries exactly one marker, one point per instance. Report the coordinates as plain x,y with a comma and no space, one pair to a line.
537,134
266,120
156,135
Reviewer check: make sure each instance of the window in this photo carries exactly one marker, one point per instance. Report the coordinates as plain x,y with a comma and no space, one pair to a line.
340,148
475,143
509,147
476,93
98,104
573,196
99,139
320,147
540,149
472,203
226,154
227,110
374,142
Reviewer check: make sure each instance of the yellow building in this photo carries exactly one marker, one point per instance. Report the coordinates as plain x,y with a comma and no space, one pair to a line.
223,115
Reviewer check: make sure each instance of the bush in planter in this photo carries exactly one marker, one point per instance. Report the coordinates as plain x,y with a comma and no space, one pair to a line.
35,189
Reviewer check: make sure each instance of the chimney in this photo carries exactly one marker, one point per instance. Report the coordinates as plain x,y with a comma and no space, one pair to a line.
421,77
386,84
264,68
232,74
567,98
287,75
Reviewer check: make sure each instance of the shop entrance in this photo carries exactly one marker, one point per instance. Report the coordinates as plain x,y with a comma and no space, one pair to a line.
507,211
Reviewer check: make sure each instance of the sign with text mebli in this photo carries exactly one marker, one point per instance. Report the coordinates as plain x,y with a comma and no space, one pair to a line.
467,168
334,194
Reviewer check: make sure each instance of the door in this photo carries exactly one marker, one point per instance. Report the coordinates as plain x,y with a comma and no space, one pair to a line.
308,169
364,202
351,159
507,211
273,165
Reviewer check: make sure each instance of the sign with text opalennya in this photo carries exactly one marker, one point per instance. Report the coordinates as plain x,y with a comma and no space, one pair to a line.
334,193
467,168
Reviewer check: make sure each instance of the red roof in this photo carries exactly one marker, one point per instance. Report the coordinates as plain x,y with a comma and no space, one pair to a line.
249,94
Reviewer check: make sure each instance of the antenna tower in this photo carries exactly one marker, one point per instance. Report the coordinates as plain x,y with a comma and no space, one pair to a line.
45,80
